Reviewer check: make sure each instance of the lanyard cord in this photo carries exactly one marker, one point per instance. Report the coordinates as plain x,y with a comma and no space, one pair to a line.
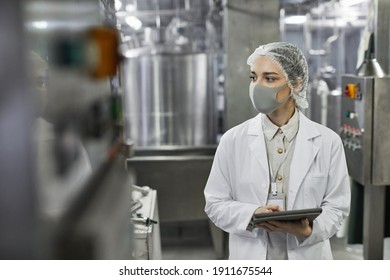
273,175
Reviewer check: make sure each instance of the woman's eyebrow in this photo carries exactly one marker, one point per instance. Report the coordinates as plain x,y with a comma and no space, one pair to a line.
270,73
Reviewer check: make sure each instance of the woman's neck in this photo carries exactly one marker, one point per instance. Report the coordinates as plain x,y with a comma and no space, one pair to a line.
282,115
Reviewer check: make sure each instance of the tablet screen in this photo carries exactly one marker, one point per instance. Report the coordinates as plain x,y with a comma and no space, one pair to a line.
290,215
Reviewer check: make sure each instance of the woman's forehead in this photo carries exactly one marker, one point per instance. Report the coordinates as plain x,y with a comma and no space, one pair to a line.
266,64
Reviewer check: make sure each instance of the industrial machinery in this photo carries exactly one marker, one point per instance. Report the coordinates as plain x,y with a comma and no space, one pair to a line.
365,113
363,128
83,187
75,203
363,131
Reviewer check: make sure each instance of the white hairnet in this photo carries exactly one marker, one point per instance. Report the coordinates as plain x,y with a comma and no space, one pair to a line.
293,64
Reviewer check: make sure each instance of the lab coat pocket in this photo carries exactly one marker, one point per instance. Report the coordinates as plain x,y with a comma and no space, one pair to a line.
315,187
246,248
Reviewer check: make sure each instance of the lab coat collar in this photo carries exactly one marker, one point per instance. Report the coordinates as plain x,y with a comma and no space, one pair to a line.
289,130
255,126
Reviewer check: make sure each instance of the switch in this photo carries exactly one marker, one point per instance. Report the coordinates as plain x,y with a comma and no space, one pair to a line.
353,132
351,115
343,129
356,146
348,130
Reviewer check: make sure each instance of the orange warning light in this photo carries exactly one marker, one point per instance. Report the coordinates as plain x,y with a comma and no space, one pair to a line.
351,90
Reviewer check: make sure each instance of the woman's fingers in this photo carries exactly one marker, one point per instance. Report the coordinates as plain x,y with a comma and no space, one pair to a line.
268,226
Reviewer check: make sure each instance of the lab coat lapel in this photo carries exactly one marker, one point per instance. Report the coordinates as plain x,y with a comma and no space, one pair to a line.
259,151
257,144
305,151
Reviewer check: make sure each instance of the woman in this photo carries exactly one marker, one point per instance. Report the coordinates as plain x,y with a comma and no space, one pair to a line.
275,161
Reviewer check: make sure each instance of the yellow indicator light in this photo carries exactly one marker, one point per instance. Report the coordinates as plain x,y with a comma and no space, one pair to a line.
351,90
106,43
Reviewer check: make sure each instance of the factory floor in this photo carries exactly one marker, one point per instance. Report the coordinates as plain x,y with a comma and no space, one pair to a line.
193,242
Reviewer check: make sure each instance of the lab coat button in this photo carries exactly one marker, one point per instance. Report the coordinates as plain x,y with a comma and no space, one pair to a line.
280,150
279,178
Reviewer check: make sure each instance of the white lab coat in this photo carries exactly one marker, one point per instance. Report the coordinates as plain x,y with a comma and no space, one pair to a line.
239,183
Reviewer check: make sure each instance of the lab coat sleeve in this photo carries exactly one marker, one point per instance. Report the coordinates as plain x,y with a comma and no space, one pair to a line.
223,210
336,202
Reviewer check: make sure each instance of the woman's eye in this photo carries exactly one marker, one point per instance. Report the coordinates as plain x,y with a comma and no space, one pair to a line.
253,78
270,79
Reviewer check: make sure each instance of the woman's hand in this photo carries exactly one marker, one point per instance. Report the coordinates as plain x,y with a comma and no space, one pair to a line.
268,209
301,228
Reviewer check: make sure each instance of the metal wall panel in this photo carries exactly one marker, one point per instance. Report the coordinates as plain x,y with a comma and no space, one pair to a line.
381,133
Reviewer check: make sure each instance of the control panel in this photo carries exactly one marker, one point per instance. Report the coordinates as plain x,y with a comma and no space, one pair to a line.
365,128
355,125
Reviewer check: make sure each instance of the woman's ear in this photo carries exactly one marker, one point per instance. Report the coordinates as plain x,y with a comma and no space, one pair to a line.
297,87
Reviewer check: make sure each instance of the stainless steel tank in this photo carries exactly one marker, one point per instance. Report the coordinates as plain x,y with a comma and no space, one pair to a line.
170,80
169,100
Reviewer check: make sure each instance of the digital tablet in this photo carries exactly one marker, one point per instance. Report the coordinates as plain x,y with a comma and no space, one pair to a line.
290,215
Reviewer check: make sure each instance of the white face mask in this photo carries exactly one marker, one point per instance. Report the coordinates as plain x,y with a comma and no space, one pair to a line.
264,98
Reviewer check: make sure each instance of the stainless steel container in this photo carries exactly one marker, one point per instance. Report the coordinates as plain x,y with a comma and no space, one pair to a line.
169,100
